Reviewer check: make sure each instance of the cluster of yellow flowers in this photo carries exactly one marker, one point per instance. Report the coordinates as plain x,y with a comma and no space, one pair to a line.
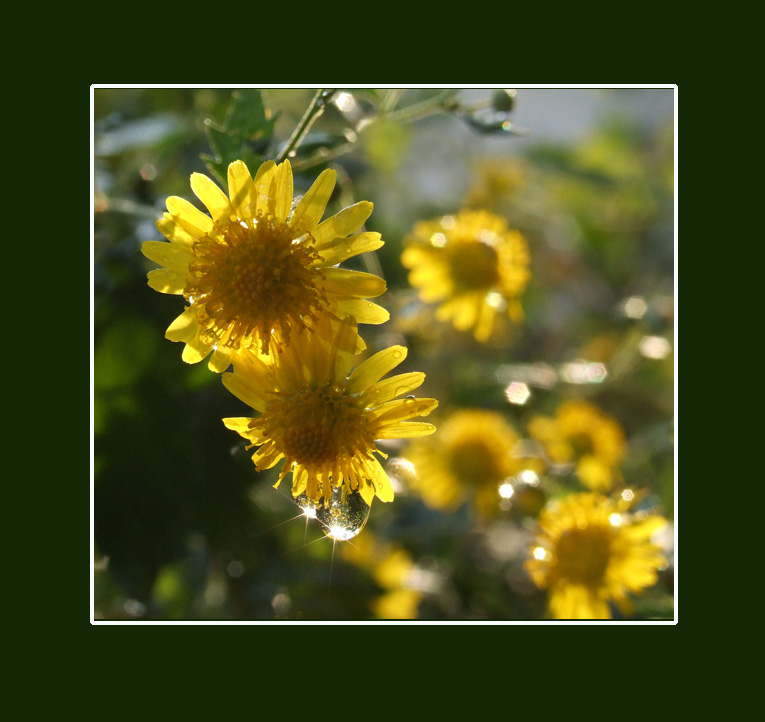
589,548
264,296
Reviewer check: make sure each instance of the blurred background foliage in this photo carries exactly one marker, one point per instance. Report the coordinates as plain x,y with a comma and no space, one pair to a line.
184,528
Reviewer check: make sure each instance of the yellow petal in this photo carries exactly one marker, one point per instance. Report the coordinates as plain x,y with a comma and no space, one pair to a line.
213,197
283,201
184,328
341,249
401,409
355,284
245,390
264,186
342,224
219,361
367,492
240,424
195,350
168,255
406,430
383,487
343,349
173,232
394,386
374,368
166,281
364,311
314,202
188,217
241,190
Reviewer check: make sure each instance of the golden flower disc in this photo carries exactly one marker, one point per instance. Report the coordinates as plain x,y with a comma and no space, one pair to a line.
250,278
473,265
589,551
262,264
322,417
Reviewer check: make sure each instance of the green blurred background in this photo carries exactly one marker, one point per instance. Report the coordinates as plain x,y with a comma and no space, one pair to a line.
183,526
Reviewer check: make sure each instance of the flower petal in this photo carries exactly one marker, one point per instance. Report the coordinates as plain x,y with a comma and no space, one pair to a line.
383,487
168,255
265,189
188,217
342,224
195,350
364,311
340,249
219,361
240,424
283,201
241,189
245,390
406,430
173,232
401,409
355,284
184,328
374,368
213,197
398,385
314,202
166,281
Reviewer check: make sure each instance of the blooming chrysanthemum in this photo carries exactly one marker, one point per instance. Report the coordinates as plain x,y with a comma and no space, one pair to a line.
473,265
475,453
323,418
259,266
580,433
590,551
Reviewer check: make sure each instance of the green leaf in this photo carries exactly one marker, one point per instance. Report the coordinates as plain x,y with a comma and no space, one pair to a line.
245,134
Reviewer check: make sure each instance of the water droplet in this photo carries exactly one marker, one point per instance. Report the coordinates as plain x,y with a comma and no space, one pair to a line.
397,354
344,515
349,250
307,505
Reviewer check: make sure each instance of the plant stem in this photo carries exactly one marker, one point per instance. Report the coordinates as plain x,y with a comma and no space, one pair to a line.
315,109
409,114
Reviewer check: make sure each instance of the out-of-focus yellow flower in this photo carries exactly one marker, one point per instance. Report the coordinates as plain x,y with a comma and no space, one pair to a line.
393,569
590,551
581,434
397,604
495,181
473,455
259,266
473,265
321,417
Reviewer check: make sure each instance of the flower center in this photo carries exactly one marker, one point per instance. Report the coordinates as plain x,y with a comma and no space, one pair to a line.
473,265
248,279
581,442
318,427
474,463
583,554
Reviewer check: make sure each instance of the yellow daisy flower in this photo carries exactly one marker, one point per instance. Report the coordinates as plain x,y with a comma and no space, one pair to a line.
588,551
473,265
472,457
260,265
321,417
581,434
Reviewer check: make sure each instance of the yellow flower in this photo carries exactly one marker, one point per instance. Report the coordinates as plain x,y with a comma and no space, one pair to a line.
473,455
473,265
260,266
320,417
589,550
581,434
394,570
